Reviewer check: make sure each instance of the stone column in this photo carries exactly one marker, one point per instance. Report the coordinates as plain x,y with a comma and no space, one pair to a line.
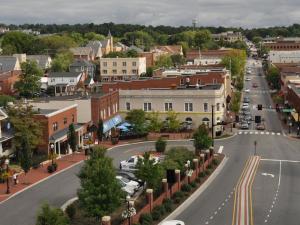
177,174
196,165
105,220
165,187
59,148
202,156
150,198
211,151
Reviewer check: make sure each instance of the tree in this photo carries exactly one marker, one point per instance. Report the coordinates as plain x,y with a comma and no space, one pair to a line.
61,62
173,122
4,99
51,216
177,60
24,124
29,82
72,140
18,42
139,38
202,37
149,72
132,53
160,145
25,155
273,77
155,123
163,61
100,130
137,117
149,171
92,36
100,193
201,139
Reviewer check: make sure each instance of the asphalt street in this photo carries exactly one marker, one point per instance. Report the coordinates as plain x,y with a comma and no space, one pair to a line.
215,204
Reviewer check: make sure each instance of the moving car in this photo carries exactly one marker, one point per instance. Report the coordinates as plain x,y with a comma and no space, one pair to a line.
246,100
260,126
173,222
244,125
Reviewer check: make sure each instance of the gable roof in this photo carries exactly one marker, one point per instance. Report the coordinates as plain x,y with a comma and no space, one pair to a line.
105,43
8,63
171,49
82,51
41,60
96,47
64,74
137,49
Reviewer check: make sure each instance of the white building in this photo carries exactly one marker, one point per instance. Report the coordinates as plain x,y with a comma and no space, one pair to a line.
65,82
112,69
192,104
284,57
6,135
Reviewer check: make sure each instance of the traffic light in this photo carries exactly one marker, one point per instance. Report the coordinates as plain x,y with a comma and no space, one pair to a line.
257,119
259,106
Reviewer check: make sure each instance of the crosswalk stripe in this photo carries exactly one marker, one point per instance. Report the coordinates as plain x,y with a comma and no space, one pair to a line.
251,132
278,134
267,132
262,132
245,132
240,132
256,132
273,133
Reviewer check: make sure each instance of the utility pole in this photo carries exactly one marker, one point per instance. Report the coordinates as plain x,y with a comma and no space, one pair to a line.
255,143
298,122
212,124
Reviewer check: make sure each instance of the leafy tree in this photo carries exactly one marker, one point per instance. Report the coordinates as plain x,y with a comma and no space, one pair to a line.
139,38
29,82
176,158
149,72
100,193
155,123
177,60
61,62
163,61
236,61
78,38
57,43
273,77
132,53
18,42
100,130
92,36
72,140
160,145
4,99
25,155
256,39
51,216
25,125
115,55
173,122
149,171
202,37
201,139
137,117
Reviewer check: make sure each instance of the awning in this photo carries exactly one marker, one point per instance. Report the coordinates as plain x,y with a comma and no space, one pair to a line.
62,134
111,123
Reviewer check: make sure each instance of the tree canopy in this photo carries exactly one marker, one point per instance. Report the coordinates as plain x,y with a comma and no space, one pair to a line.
51,216
137,117
202,140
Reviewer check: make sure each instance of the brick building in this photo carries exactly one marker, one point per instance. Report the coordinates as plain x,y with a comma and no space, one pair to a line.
8,80
293,99
106,107
55,123
283,45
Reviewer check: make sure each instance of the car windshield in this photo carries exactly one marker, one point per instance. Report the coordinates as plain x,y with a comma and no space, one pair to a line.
125,180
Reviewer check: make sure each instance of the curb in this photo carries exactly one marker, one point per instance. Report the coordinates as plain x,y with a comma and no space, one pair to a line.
67,203
40,181
197,193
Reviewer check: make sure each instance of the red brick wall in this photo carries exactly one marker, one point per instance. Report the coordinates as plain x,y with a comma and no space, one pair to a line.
163,82
293,99
283,46
47,125
149,58
7,81
104,102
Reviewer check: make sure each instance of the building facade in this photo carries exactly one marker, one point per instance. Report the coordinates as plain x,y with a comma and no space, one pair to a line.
6,135
229,36
191,104
284,56
114,69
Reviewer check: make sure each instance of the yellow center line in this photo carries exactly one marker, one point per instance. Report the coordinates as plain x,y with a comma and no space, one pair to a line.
236,188
250,190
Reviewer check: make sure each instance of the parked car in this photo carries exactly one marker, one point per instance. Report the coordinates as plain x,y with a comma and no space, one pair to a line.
131,183
254,85
129,164
127,189
260,126
129,176
173,222
246,100
245,105
247,90
244,125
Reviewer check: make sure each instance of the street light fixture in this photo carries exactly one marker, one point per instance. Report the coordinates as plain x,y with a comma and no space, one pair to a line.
6,162
52,153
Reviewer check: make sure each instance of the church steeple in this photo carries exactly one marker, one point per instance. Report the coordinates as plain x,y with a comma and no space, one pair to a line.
109,34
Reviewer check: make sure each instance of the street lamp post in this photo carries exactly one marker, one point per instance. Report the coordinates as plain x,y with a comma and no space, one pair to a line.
52,153
290,126
255,143
212,124
6,162
231,121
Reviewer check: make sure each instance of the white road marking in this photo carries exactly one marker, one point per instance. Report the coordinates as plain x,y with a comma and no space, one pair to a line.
278,134
267,133
272,206
240,132
279,177
268,174
206,222
266,221
273,133
226,200
256,132
211,217
251,132
219,208
223,204
262,132
280,160
270,210
245,132
268,215
216,212
220,149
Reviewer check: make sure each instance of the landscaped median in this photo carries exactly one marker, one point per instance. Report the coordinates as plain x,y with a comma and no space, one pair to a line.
153,207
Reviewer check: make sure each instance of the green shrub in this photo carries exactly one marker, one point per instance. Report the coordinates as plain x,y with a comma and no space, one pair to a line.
177,200
168,204
178,194
160,145
146,218
208,172
202,174
158,212
193,184
186,188
198,180
209,166
71,211
215,161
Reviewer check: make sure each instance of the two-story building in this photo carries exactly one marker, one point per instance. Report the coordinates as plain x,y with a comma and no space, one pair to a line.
83,66
193,104
55,126
229,36
65,83
284,56
112,69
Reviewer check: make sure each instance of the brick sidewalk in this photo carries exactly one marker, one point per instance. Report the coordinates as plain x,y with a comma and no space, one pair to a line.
35,175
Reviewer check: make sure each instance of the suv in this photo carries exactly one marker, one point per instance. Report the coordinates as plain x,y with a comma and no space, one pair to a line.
244,126
246,100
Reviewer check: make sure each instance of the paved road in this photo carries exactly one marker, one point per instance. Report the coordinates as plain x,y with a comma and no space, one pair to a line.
215,205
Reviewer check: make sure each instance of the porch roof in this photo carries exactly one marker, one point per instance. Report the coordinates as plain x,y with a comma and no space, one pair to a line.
63,133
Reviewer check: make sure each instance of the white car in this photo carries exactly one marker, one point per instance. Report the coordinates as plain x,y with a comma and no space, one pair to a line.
248,79
247,90
245,105
129,186
173,222
130,164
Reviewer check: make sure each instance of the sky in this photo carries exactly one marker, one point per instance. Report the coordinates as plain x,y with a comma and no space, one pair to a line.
228,13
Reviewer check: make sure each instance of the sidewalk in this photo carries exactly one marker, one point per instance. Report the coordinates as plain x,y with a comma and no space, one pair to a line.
36,175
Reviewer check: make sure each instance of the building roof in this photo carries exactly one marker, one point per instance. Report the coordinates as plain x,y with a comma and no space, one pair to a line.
82,50
41,60
105,43
62,133
64,74
96,47
7,63
137,49
79,63
195,53
171,49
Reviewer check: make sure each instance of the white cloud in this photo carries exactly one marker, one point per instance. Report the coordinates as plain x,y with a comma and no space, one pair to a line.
245,13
